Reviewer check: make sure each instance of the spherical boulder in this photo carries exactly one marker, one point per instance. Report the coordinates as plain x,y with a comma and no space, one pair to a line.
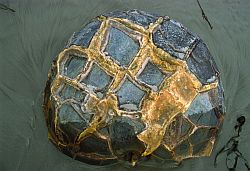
130,85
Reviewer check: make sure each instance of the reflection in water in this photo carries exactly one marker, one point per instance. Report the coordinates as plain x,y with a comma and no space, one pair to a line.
231,147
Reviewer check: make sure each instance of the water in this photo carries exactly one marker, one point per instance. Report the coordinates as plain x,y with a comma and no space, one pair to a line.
32,36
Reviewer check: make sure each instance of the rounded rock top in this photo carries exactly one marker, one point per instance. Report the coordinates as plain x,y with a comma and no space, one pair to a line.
131,86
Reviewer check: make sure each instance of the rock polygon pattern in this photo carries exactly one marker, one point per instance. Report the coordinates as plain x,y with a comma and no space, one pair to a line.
131,84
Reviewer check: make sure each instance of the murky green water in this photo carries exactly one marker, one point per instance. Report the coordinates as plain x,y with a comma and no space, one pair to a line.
38,31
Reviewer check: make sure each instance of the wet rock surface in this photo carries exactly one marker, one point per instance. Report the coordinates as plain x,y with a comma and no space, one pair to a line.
115,93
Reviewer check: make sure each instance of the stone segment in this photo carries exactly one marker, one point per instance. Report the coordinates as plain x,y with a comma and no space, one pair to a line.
93,144
201,111
69,92
97,79
74,65
152,76
129,96
201,64
123,131
182,149
70,121
138,17
198,148
121,47
68,114
200,135
84,36
174,38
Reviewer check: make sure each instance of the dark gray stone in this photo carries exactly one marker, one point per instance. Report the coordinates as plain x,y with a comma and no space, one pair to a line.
97,80
68,114
152,76
138,17
84,36
70,121
202,110
123,131
183,148
200,135
129,96
95,145
74,65
68,92
121,47
201,63
174,38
